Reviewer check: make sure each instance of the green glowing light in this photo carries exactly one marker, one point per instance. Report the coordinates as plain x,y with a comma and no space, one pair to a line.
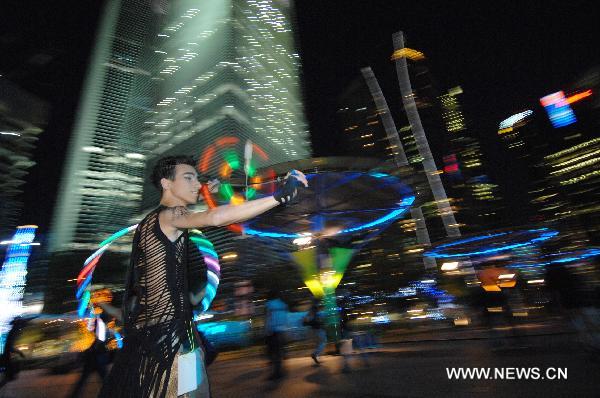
231,158
201,241
340,258
226,191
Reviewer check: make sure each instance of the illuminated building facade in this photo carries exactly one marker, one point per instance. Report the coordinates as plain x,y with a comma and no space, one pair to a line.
169,80
226,72
173,83
574,174
102,177
12,276
555,146
361,123
434,139
22,119
465,199
229,69
475,195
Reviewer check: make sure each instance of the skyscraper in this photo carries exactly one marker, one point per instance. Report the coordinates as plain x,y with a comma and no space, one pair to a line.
224,68
22,118
567,173
174,78
102,177
554,148
361,123
464,173
165,81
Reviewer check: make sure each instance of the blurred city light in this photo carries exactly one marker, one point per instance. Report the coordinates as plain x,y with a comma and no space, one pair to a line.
558,109
449,266
13,276
514,119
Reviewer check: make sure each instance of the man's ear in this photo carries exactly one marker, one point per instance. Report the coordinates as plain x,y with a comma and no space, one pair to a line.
165,183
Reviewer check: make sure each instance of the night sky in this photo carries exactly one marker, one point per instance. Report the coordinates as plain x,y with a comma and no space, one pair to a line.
505,55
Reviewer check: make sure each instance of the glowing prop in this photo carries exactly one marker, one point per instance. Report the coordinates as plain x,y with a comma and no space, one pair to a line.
392,214
85,306
226,148
323,282
334,205
561,258
537,236
213,269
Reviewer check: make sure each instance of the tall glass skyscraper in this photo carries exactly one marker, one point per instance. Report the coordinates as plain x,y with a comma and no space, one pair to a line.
224,68
102,178
172,78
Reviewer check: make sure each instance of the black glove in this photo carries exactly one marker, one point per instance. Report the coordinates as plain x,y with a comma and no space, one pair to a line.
289,190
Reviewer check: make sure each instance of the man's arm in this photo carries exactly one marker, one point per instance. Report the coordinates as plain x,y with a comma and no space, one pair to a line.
232,214
222,215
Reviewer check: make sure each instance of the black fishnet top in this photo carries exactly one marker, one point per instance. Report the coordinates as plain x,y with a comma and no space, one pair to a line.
157,314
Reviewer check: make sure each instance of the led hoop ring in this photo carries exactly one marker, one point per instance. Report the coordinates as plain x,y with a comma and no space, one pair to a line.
226,147
395,213
213,270
542,234
567,257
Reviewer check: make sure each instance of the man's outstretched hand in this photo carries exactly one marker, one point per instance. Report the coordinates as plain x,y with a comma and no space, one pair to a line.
289,190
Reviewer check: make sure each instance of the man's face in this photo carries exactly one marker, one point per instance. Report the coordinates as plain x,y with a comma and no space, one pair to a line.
186,186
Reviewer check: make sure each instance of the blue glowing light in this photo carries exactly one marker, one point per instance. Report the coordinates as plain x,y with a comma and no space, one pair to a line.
379,175
393,214
469,240
83,304
83,286
119,340
543,234
404,206
558,109
12,277
381,319
266,234
208,251
512,120
571,257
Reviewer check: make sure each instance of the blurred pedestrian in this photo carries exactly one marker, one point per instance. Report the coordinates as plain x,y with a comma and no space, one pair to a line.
314,320
11,367
95,358
576,300
275,328
349,339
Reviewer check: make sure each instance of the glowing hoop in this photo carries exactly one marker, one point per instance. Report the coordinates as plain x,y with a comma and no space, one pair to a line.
392,214
226,148
443,251
85,306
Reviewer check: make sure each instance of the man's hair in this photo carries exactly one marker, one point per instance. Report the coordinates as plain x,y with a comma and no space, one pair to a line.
165,168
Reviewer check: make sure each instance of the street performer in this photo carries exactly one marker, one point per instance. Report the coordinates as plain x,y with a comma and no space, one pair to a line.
162,355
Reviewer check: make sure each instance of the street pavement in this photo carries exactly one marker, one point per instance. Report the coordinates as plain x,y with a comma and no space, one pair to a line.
407,369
